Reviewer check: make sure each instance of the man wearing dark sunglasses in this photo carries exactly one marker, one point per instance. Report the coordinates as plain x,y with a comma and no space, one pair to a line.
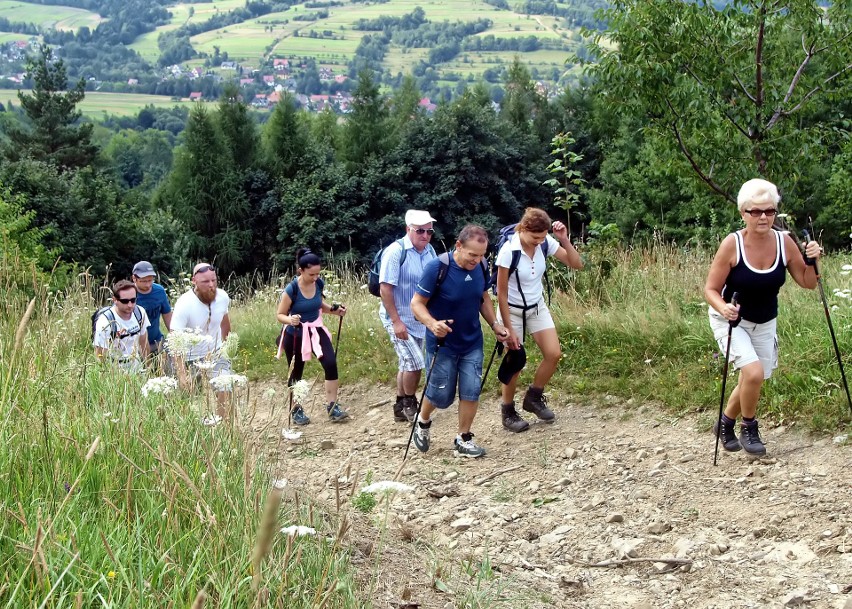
401,268
121,331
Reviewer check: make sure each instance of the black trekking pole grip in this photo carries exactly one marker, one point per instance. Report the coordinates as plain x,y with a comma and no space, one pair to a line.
731,325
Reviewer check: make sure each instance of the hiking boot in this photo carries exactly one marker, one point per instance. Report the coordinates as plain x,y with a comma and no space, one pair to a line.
398,414
511,420
422,435
336,413
536,403
728,437
298,415
467,447
409,407
750,439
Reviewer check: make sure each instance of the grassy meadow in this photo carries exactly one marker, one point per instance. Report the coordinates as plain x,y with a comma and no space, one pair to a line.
115,499
49,16
96,103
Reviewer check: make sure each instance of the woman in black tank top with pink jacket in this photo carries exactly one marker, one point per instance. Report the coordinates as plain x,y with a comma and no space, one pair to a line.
754,263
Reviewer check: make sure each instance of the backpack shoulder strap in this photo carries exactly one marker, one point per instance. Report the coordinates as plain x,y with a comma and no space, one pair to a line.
403,253
138,313
443,269
516,260
295,285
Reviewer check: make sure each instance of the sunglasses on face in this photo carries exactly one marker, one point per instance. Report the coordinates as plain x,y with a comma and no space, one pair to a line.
756,213
126,300
204,269
420,231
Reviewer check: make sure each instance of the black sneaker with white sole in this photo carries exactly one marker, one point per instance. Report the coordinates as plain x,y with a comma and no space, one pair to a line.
422,435
466,447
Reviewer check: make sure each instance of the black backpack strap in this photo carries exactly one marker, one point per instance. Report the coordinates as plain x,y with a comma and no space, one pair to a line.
403,253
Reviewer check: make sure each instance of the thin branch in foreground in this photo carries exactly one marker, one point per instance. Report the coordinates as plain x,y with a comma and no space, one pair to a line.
618,562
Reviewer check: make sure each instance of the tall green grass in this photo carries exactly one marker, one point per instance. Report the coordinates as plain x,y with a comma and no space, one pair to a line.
633,323
111,499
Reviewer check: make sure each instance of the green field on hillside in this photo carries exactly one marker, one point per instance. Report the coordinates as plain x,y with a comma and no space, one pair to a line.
96,103
336,39
12,37
49,16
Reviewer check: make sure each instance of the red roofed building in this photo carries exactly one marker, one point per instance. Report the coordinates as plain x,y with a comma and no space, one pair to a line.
195,96
280,64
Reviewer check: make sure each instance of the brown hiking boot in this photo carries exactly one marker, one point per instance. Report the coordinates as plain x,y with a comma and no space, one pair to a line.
536,403
511,420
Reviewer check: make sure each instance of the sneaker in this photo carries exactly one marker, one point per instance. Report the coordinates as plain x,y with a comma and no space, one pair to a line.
398,414
409,408
299,417
422,435
536,403
336,413
750,439
468,448
728,437
511,420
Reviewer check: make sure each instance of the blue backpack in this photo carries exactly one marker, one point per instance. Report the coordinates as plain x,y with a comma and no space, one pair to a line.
373,283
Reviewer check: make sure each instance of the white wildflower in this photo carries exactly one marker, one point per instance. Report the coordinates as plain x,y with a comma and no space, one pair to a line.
204,364
387,486
279,484
163,385
230,346
297,530
226,382
291,434
269,393
300,390
648,361
847,267
182,342
211,421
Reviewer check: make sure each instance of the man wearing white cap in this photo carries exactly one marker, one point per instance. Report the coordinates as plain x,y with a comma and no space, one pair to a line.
153,298
401,267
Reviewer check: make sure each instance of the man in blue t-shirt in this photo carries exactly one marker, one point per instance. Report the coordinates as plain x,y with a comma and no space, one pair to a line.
152,297
450,311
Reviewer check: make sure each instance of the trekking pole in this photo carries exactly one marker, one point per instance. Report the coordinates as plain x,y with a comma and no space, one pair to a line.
830,325
438,346
334,307
497,347
731,326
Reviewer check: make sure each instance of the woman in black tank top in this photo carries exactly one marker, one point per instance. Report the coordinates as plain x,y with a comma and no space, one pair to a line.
752,262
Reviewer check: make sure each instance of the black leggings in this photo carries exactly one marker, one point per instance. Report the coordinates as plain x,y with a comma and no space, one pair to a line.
328,361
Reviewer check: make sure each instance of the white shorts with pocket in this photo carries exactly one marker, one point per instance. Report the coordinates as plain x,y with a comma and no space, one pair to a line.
538,319
750,342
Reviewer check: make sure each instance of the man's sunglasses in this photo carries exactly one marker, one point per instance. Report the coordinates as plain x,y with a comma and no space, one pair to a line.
203,269
126,300
420,231
756,213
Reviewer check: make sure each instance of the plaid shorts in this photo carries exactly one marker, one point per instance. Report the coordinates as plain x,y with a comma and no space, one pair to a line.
409,352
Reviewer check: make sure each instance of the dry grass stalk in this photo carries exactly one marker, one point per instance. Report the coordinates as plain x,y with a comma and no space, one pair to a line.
265,535
200,599
108,549
92,449
22,327
78,600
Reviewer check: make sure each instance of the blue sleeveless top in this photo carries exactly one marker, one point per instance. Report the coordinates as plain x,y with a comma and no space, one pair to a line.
758,289
308,308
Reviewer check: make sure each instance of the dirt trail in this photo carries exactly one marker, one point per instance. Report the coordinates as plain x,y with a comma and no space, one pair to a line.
608,481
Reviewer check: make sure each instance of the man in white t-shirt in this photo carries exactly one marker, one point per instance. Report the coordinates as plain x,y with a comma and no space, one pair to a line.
121,331
202,311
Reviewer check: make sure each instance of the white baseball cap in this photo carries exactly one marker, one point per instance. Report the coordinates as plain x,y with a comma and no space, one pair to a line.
418,217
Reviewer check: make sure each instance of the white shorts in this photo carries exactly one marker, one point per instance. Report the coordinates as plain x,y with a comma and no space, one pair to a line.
409,352
538,319
750,342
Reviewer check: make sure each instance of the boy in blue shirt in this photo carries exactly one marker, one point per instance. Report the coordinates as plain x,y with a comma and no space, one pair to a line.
152,297
450,311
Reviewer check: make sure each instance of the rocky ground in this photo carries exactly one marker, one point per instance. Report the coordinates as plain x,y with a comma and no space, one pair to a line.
613,505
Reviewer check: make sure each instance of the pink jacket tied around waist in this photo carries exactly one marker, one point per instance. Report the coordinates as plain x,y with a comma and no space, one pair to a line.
310,339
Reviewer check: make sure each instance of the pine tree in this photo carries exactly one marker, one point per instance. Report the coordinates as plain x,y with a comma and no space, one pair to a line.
55,136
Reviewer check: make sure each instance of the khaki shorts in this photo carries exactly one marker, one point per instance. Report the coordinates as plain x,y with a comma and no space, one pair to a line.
750,342
538,319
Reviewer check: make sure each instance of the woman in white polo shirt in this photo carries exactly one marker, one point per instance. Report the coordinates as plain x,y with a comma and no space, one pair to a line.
520,268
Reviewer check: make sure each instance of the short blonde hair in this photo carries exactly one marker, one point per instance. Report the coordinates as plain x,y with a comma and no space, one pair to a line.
758,192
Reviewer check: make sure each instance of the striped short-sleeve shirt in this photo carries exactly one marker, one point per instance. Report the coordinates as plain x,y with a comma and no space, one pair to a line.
404,279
